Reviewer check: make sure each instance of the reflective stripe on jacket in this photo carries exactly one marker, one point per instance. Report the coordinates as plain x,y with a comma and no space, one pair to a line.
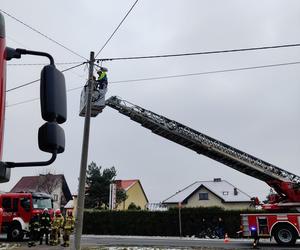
102,75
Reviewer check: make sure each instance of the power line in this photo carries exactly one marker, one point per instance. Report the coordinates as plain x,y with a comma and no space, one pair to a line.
31,82
116,28
209,72
175,55
200,53
41,64
49,38
23,102
177,76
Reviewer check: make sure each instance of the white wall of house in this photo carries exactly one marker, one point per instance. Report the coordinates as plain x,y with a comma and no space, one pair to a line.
213,200
57,195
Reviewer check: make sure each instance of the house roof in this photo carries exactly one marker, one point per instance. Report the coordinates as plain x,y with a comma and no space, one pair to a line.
221,188
127,184
70,204
32,183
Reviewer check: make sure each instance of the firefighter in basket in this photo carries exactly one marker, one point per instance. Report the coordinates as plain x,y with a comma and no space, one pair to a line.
101,85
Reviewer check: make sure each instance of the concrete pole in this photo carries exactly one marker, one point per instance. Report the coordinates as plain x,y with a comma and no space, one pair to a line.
179,218
84,156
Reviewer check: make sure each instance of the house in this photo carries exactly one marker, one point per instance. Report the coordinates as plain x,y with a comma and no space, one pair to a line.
135,194
72,204
52,184
218,193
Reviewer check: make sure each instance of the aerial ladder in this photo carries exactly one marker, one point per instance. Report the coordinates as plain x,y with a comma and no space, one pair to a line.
286,184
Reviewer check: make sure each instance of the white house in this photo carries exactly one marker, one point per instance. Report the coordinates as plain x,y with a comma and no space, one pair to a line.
218,193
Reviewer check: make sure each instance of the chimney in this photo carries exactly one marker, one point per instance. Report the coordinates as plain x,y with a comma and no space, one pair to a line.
217,179
235,191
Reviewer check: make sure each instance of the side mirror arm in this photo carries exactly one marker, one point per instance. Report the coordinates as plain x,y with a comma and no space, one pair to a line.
30,164
16,53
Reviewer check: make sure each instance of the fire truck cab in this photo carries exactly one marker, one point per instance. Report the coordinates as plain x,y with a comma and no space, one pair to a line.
284,227
16,210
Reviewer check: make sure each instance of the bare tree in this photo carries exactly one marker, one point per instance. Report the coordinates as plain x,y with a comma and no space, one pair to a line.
48,182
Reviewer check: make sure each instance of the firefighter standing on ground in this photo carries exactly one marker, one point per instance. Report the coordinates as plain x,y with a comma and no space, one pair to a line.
45,225
34,230
56,225
68,228
61,223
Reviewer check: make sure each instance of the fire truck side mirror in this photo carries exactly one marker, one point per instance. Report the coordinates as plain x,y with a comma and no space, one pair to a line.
51,138
4,173
53,95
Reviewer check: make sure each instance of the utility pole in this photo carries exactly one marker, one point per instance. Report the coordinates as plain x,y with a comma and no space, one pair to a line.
84,156
179,219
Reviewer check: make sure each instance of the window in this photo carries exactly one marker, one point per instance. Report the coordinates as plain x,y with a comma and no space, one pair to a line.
6,203
25,203
225,193
203,196
41,203
55,197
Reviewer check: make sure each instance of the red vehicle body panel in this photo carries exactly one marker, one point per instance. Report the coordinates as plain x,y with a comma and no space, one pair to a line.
2,82
264,223
17,206
16,209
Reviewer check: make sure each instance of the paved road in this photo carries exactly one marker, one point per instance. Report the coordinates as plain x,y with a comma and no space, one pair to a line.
90,240
162,242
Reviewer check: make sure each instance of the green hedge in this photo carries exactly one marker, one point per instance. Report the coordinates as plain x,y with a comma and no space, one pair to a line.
164,223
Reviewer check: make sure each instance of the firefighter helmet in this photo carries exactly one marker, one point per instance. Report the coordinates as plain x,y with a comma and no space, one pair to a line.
102,69
57,212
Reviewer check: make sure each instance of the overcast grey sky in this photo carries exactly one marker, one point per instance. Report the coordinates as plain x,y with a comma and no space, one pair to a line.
256,111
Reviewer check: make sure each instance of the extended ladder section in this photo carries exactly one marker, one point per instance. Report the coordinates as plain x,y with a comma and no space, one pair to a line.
203,144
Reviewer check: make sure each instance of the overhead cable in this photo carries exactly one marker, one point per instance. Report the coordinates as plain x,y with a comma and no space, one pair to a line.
199,53
166,55
49,38
41,64
116,28
31,82
177,76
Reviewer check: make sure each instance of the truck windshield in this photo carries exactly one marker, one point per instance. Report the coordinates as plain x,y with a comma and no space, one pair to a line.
41,203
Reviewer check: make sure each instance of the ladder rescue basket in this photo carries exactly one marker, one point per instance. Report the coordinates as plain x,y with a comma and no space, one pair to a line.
98,101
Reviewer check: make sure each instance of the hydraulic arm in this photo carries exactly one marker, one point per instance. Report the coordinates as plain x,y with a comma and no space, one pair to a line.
286,184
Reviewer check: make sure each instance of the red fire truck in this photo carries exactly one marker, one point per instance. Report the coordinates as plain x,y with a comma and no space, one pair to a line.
18,208
283,226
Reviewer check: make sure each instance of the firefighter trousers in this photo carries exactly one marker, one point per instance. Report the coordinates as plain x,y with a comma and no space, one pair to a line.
66,237
44,231
54,236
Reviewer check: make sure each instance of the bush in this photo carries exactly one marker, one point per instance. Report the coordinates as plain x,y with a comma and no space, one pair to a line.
160,223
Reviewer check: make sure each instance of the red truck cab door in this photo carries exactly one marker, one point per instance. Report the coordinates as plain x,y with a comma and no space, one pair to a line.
25,208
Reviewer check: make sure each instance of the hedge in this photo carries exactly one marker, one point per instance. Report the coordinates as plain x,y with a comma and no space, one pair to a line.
160,223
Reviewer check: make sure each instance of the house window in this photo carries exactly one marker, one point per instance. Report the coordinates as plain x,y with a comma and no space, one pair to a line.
203,196
55,197
225,193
